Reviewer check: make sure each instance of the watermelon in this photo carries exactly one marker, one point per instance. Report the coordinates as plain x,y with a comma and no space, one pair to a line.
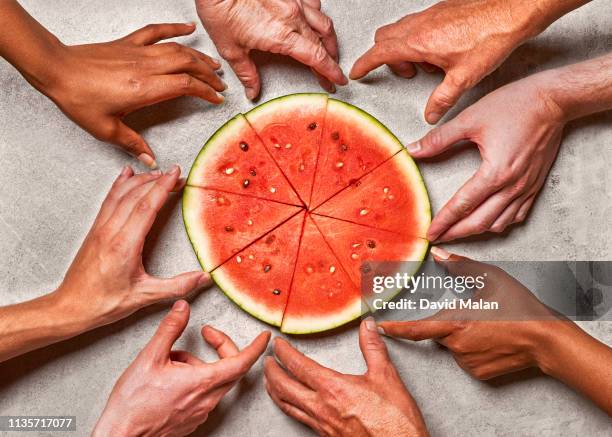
332,192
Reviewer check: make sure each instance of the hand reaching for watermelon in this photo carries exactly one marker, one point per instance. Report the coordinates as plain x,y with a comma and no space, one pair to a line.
171,392
518,130
96,85
467,39
523,333
335,404
295,28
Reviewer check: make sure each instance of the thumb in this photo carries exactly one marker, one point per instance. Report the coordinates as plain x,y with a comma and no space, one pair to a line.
440,138
169,330
133,143
178,286
444,97
246,71
373,347
417,330
459,265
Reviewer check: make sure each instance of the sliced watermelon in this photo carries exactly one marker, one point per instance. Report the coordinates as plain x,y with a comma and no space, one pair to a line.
355,245
290,128
235,160
221,224
392,197
322,295
258,278
353,144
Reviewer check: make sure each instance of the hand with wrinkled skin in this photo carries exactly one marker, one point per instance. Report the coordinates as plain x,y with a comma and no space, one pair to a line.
107,280
96,85
335,404
522,333
296,28
468,39
170,393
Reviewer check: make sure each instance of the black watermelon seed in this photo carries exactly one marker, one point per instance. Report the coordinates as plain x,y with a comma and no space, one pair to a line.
244,146
270,239
253,171
267,268
312,126
371,244
343,147
245,183
276,292
229,229
335,136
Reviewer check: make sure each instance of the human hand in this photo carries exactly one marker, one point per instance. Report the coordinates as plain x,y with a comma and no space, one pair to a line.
166,392
295,28
334,404
96,85
517,130
107,280
489,343
468,39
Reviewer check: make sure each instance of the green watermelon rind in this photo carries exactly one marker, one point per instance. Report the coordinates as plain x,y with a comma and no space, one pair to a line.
291,98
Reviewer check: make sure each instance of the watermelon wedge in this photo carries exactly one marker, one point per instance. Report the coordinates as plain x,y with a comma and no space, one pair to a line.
221,224
353,144
292,245
392,197
235,160
290,128
258,278
322,294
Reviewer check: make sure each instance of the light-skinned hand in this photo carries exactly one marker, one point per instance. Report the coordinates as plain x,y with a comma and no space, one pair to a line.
167,392
107,280
295,28
335,404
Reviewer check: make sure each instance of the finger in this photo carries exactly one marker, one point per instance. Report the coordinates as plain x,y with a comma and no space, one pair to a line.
403,69
428,68
373,348
246,71
473,193
389,51
130,141
185,357
300,366
170,86
170,329
144,211
316,4
293,411
186,61
235,367
112,198
507,217
222,343
153,33
418,330
157,289
287,388
482,218
440,138
458,265
324,27
445,96
521,215
172,48
313,54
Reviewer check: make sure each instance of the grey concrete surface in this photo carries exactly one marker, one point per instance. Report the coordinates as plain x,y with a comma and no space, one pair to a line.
54,176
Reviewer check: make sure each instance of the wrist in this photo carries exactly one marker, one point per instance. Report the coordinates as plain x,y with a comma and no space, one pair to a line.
555,338
42,69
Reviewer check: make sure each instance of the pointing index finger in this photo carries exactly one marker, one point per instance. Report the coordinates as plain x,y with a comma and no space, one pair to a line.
388,51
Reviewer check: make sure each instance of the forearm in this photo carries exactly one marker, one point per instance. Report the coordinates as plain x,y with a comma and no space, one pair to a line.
39,322
549,11
26,44
580,361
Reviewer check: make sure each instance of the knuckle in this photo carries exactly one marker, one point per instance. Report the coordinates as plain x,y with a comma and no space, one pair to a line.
185,82
230,53
117,247
319,56
174,46
463,206
143,206
434,138
327,26
498,228
293,11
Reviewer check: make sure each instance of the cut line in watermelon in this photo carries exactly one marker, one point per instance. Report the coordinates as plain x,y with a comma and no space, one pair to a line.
290,257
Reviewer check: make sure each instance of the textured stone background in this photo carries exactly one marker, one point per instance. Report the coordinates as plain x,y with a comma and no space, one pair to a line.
54,177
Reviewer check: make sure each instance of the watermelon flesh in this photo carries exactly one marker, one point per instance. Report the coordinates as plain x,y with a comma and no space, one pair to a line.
322,295
345,195
221,224
258,278
353,144
290,128
392,197
235,160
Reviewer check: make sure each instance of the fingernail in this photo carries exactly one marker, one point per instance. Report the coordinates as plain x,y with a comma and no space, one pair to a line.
204,279
191,23
216,61
414,147
250,93
180,305
381,331
438,252
156,172
224,85
147,160
125,170
175,169
370,324
344,80
433,117
221,98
